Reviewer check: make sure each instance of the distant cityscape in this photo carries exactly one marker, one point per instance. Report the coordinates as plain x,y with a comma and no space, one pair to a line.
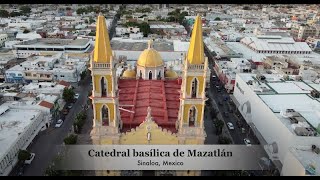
192,73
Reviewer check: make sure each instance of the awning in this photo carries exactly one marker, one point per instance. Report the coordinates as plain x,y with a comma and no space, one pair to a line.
234,100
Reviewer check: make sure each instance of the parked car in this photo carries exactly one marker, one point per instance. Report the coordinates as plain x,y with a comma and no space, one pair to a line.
65,111
28,161
70,106
230,125
76,96
59,123
247,141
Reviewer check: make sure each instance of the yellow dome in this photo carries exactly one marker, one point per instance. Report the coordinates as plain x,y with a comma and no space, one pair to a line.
171,74
129,74
150,57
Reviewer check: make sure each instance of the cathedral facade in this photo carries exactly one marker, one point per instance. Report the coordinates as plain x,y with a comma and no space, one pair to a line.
149,103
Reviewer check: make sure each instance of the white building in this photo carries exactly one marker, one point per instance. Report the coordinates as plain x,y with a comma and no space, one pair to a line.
285,117
47,88
276,45
18,127
47,69
3,39
120,31
227,70
27,36
132,48
226,35
36,46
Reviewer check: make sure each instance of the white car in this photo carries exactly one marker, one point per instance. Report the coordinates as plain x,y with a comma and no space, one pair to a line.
247,141
230,125
28,161
59,123
76,96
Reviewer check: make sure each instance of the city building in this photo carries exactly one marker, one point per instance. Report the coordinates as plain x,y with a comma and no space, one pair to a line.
46,88
132,48
36,46
276,45
289,126
3,39
227,70
18,128
6,62
301,32
281,64
148,96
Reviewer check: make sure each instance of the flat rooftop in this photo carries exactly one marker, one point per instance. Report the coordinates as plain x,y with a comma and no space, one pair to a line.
13,121
45,88
306,157
55,42
140,46
282,95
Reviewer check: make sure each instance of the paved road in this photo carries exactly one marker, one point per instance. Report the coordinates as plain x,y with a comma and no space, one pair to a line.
45,145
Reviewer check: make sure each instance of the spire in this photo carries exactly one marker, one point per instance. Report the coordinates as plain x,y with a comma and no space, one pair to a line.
196,49
102,47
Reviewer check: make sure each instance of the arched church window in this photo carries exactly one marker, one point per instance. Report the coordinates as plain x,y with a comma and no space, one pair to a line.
194,88
140,74
103,85
150,75
192,116
105,116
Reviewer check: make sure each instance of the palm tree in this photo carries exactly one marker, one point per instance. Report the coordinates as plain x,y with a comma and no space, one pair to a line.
219,125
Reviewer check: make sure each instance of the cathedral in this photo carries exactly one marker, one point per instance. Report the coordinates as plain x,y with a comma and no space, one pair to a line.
149,103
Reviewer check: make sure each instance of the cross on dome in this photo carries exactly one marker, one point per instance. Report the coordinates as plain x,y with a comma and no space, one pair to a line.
150,43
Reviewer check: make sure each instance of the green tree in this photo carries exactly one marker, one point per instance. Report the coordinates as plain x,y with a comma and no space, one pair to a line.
219,125
4,13
14,14
68,95
84,73
90,34
86,21
68,8
90,9
79,121
25,9
26,31
23,155
224,140
91,20
217,19
145,29
81,11
71,139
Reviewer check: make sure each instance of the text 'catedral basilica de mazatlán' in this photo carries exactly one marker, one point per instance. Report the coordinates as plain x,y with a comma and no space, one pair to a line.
149,103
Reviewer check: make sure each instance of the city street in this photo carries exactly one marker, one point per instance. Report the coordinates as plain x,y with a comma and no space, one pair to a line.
225,106
45,144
